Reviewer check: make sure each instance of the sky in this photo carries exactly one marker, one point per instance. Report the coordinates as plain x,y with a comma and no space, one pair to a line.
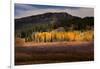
24,10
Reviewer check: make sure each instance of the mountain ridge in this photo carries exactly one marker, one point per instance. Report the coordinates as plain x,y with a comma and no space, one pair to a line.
61,19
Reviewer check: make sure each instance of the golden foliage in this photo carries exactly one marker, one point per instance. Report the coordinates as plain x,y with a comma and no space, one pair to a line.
64,36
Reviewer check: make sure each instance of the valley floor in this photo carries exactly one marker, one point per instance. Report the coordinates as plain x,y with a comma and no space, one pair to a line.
38,53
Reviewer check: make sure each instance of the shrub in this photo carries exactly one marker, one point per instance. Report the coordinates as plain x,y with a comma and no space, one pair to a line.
63,36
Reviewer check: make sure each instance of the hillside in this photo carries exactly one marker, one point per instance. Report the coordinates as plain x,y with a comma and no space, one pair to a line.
48,22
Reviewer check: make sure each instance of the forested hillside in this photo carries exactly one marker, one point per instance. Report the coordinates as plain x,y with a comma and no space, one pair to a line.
27,27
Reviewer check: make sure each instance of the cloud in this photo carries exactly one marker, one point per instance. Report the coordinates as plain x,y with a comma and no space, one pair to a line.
23,10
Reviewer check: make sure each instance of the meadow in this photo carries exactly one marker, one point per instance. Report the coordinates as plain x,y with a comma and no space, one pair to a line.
54,53
54,47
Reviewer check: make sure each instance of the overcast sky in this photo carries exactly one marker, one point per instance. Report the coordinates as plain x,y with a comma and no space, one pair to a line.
23,10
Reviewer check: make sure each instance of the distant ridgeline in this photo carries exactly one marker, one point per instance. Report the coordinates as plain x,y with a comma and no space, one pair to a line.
51,22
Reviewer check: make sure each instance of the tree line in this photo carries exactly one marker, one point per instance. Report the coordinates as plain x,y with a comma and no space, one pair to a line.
77,23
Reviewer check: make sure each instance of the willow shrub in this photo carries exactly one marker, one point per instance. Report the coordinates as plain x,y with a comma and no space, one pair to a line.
63,36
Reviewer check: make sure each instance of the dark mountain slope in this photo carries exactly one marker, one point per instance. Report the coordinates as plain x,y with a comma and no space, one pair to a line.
43,18
50,21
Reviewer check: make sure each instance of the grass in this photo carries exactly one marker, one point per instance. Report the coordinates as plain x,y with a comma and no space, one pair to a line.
52,54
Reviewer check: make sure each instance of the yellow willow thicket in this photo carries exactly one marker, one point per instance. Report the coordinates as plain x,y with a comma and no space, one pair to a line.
88,35
63,36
